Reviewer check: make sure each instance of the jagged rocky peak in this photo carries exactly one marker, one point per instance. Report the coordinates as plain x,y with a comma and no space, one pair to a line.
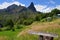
12,6
18,8
31,7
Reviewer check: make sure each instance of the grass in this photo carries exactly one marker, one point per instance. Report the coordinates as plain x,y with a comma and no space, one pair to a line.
51,27
28,37
33,37
10,35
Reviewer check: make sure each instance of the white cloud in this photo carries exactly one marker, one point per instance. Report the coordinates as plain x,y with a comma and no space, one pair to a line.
6,4
18,3
47,9
40,7
58,7
43,8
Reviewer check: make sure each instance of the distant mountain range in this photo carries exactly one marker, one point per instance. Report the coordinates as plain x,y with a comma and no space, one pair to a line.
18,9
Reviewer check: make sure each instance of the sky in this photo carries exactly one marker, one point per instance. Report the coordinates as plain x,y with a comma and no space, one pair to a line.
40,5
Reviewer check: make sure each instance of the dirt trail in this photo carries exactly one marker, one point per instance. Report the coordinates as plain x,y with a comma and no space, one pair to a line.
40,27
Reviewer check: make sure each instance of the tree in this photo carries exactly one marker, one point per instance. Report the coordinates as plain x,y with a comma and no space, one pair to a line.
10,24
55,12
38,17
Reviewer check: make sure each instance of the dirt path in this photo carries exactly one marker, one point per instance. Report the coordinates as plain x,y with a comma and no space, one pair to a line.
22,32
40,27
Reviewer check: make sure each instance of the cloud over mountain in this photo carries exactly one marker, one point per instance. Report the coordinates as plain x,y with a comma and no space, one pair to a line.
6,4
43,8
58,7
39,7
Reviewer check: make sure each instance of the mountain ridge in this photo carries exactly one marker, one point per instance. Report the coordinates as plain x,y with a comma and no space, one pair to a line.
16,9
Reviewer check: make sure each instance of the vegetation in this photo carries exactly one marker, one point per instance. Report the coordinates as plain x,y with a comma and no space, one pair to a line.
23,32
13,20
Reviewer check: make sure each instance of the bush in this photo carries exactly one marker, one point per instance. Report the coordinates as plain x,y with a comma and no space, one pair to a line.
49,19
13,29
38,17
0,29
43,20
7,29
10,24
28,22
19,26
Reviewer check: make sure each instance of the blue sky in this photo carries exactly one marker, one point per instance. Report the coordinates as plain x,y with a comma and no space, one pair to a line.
41,2
40,5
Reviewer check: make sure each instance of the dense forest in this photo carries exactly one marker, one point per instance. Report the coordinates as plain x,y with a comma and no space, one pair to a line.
20,15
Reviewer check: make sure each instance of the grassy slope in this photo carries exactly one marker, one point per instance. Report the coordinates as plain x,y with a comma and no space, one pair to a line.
10,35
51,27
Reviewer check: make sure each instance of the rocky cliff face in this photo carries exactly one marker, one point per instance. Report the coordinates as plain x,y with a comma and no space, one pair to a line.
31,7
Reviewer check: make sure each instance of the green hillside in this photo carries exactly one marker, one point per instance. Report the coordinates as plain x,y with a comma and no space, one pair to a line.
22,34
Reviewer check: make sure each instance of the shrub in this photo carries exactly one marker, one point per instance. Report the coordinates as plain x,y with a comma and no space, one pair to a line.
19,26
0,29
28,22
7,29
10,24
43,20
13,29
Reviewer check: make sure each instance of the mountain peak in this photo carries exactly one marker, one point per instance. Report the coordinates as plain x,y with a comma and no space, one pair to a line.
12,6
31,7
32,3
